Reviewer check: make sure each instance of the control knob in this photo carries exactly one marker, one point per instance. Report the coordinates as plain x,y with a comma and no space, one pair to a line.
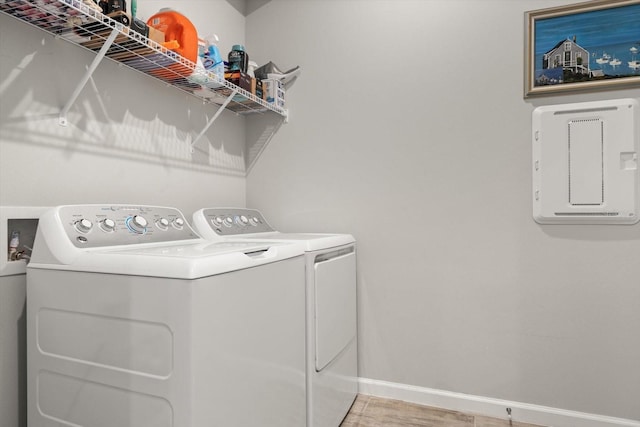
217,221
108,225
162,223
83,225
242,220
178,223
137,224
228,221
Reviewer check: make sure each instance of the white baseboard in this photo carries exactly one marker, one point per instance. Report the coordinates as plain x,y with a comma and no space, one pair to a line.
522,412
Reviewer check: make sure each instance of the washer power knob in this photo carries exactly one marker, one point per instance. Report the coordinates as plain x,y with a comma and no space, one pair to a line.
138,224
83,225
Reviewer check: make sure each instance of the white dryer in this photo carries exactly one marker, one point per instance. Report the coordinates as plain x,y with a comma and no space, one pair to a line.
134,320
331,319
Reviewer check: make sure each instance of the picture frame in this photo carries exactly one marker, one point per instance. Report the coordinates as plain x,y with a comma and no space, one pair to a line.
593,45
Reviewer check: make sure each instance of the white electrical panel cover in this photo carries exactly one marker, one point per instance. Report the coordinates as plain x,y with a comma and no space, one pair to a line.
585,163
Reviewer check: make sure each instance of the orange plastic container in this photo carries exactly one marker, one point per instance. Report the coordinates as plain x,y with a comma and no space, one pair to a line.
178,30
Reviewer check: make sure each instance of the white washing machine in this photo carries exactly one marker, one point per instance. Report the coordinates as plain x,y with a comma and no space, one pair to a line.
133,320
331,320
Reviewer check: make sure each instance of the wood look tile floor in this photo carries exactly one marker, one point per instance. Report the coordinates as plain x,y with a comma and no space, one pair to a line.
369,411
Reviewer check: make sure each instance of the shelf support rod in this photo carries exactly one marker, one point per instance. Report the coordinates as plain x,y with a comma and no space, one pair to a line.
62,121
215,116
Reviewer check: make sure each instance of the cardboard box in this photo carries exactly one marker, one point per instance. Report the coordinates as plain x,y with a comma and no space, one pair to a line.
156,35
232,77
243,80
248,83
273,92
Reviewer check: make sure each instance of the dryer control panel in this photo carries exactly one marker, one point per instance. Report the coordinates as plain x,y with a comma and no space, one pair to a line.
90,226
235,221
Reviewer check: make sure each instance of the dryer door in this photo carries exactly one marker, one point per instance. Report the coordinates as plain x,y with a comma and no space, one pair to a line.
335,304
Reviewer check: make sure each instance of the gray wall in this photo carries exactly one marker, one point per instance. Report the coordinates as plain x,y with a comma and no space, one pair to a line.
128,138
403,133
407,132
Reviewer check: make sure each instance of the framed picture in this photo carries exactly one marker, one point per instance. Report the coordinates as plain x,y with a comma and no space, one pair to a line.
586,46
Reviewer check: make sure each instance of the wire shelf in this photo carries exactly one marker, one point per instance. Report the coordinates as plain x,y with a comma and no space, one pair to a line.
82,25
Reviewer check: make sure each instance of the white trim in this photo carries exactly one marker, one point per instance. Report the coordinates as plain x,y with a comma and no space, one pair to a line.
488,406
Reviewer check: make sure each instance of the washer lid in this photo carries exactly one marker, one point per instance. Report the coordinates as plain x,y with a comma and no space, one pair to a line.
178,261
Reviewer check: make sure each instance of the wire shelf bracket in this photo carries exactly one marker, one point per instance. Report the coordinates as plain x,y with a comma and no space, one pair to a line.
213,118
62,121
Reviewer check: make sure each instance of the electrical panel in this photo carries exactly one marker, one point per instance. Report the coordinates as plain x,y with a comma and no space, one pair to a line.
585,163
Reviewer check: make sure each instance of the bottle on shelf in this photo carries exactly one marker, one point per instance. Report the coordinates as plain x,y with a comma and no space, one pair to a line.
211,58
14,242
180,36
238,58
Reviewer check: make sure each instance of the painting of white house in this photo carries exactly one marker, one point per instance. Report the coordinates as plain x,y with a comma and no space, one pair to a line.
593,45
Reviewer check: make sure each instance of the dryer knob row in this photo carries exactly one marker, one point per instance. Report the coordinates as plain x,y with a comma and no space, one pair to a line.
237,220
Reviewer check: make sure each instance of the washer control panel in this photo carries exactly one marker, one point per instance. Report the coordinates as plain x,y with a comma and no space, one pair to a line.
90,226
234,221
